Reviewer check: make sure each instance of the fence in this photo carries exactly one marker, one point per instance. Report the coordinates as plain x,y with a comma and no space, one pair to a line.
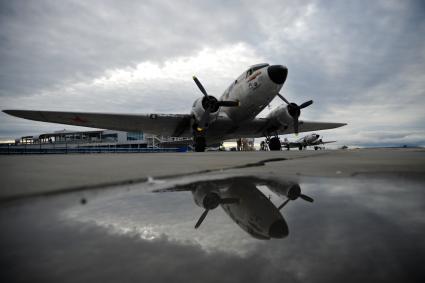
65,150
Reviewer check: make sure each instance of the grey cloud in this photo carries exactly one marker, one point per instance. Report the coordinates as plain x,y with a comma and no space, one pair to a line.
342,55
47,43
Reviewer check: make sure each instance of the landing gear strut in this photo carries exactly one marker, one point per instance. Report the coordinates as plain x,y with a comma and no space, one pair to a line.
200,143
274,143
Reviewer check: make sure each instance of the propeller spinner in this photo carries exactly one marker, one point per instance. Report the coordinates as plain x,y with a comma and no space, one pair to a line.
293,194
211,201
295,110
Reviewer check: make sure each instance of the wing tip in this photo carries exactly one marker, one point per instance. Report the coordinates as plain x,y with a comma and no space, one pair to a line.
9,111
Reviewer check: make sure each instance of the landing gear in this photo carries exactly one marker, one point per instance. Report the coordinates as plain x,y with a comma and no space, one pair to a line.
200,144
274,143
316,148
300,148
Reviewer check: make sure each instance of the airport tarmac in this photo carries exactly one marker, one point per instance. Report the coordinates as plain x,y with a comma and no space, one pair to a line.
25,175
309,216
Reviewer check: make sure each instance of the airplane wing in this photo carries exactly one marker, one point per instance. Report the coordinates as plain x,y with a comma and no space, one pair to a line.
175,125
160,124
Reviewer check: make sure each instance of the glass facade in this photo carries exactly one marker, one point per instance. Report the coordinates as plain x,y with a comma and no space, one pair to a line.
110,137
134,136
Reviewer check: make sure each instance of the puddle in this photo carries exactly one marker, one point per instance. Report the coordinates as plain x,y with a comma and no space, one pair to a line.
251,228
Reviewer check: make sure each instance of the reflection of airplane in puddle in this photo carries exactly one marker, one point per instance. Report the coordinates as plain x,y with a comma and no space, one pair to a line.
245,203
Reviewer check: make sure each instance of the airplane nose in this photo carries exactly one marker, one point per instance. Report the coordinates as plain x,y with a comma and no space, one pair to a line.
278,229
277,73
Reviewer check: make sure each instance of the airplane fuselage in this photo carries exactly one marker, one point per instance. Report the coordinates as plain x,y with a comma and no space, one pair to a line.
254,89
308,140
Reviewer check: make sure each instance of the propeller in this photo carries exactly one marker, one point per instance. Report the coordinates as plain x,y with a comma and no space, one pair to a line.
294,193
203,215
210,104
295,110
283,204
212,206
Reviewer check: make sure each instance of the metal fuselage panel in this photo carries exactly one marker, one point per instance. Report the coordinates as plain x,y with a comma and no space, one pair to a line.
254,92
254,213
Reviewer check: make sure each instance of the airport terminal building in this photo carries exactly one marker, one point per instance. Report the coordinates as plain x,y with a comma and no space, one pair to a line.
97,140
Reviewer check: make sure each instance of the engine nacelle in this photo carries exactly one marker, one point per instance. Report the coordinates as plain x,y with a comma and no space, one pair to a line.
206,197
198,109
281,115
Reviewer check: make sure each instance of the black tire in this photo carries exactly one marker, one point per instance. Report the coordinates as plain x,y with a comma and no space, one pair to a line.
274,144
300,148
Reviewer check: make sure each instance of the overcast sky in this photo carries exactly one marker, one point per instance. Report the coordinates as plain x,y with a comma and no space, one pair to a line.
362,62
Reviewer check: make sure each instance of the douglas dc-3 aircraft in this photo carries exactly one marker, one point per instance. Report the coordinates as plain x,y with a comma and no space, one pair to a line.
211,120
309,140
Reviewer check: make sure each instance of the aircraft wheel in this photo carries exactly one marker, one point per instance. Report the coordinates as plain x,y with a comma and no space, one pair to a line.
316,148
200,144
300,148
274,144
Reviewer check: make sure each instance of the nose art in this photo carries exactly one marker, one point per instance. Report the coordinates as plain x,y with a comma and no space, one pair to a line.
277,73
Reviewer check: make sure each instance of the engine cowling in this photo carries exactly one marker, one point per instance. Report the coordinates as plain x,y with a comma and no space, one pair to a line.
206,197
281,116
198,109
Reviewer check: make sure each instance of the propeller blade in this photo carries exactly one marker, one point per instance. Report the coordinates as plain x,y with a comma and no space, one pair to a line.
295,125
305,104
283,98
201,88
306,198
228,103
229,200
283,204
203,215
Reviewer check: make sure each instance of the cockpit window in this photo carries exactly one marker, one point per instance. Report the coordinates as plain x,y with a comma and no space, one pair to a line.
259,66
249,72
255,68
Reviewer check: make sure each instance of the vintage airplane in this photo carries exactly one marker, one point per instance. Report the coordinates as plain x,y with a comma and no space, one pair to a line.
302,143
245,204
211,120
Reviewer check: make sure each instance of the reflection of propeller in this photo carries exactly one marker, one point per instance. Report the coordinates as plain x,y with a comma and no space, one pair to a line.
210,105
294,193
203,215
295,110
211,201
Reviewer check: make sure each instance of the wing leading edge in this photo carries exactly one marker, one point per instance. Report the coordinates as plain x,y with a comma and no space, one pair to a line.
159,124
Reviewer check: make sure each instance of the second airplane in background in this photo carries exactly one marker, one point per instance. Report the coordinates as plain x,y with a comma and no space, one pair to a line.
302,143
211,120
